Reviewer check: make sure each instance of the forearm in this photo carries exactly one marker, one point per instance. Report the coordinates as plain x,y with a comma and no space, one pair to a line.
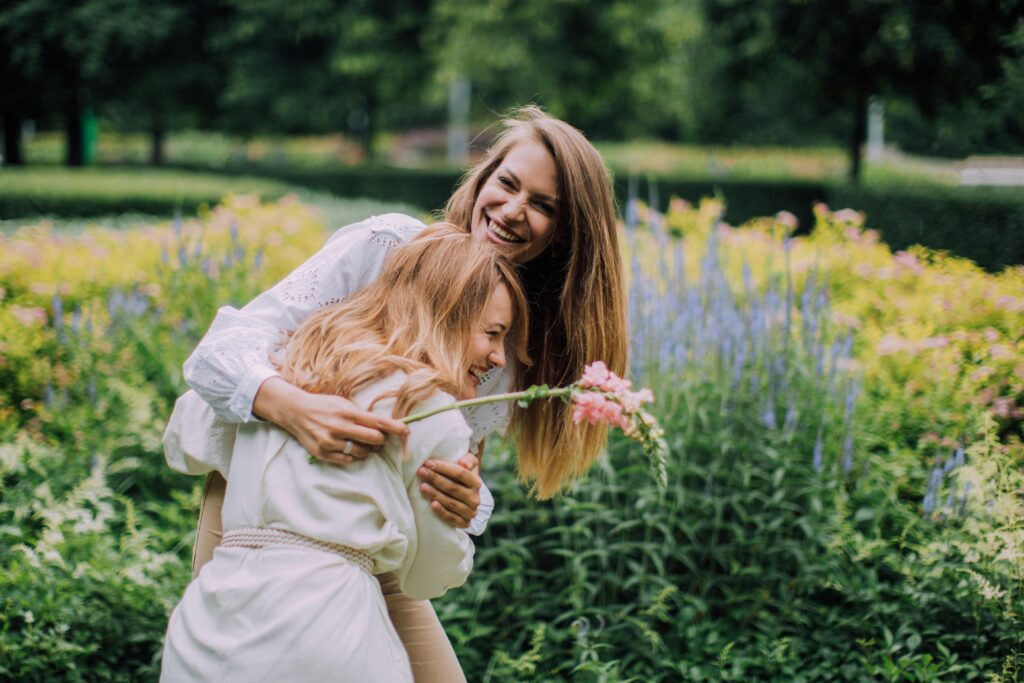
274,399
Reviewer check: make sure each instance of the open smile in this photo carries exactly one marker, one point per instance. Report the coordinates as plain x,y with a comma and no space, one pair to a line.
477,374
502,232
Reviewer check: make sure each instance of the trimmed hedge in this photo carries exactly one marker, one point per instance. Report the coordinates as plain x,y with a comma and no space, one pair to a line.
983,224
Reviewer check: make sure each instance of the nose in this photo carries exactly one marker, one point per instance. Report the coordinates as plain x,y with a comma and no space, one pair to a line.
514,208
497,356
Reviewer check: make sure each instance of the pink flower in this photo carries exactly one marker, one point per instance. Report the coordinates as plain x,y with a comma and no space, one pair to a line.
908,261
595,374
616,385
633,400
29,316
891,344
588,407
678,205
999,351
597,409
787,219
848,216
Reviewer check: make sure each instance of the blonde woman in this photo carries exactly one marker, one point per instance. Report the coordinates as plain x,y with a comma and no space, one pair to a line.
290,595
542,196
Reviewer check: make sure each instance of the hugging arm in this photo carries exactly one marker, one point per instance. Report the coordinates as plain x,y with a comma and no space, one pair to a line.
231,367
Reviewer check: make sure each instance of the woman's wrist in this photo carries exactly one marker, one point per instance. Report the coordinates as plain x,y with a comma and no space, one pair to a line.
272,400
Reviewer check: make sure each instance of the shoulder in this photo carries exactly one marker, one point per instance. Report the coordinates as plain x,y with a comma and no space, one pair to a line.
445,434
385,230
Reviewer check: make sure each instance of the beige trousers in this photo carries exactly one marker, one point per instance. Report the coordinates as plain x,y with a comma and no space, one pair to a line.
430,653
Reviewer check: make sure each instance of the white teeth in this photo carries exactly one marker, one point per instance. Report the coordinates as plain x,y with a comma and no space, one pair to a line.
477,373
502,233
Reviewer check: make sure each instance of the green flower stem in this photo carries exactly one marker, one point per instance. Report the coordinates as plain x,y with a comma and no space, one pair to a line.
527,395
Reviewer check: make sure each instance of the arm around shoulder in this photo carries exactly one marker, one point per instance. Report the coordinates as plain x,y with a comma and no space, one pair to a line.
232,361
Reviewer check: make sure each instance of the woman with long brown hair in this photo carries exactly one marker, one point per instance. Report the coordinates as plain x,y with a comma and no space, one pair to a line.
542,196
291,594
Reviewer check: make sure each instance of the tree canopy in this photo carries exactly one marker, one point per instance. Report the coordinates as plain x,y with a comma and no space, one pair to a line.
722,71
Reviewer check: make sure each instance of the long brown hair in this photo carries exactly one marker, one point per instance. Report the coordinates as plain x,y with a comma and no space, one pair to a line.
575,291
417,317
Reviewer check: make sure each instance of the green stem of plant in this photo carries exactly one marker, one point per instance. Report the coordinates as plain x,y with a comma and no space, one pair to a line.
511,396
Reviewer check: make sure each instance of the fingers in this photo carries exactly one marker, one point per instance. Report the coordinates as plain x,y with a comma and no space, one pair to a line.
461,498
452,511
344,431
471,463
380,423
340,451
446,475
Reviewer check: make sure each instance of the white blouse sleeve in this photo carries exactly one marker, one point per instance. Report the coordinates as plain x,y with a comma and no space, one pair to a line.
441,557
233,358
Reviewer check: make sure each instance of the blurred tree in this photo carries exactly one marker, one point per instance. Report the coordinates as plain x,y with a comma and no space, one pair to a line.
173,82
932,53
989,123
612,67
64,53
322,65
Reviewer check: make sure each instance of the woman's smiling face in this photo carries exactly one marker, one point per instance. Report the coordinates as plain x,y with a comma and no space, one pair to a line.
487,344
517,207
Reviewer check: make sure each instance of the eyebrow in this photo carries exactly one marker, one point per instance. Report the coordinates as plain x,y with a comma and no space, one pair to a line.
538,195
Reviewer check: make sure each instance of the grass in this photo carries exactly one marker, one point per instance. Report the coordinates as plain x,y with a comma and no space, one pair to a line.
171,189
217,150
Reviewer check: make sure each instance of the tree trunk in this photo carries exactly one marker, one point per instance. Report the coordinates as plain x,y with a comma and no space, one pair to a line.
74,134
369,131
12,140
857,135
156,149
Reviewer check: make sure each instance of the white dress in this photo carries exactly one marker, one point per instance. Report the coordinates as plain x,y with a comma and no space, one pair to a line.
286,613
233,359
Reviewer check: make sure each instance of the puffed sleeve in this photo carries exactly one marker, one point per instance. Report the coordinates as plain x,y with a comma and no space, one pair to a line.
233,358
441,557
196,441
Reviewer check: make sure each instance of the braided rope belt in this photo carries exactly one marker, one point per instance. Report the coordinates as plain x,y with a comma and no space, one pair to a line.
255,537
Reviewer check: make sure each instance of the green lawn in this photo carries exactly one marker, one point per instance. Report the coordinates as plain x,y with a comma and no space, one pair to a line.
116,197
217,150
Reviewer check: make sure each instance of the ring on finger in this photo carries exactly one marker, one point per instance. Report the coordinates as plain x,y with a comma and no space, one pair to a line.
347,450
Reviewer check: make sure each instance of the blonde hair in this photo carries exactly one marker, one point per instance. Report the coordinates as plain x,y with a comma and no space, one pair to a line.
417,317
575,291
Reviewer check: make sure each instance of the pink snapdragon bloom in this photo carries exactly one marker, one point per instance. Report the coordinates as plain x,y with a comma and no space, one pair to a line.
597,409
595,374
633,400
616,385
606,397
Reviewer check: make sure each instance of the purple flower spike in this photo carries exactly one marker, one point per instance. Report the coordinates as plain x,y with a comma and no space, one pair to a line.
819,446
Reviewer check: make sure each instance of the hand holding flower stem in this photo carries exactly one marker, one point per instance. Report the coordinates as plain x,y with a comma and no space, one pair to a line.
600,396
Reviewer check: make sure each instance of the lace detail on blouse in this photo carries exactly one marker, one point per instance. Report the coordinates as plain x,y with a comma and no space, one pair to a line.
490,418
301,286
